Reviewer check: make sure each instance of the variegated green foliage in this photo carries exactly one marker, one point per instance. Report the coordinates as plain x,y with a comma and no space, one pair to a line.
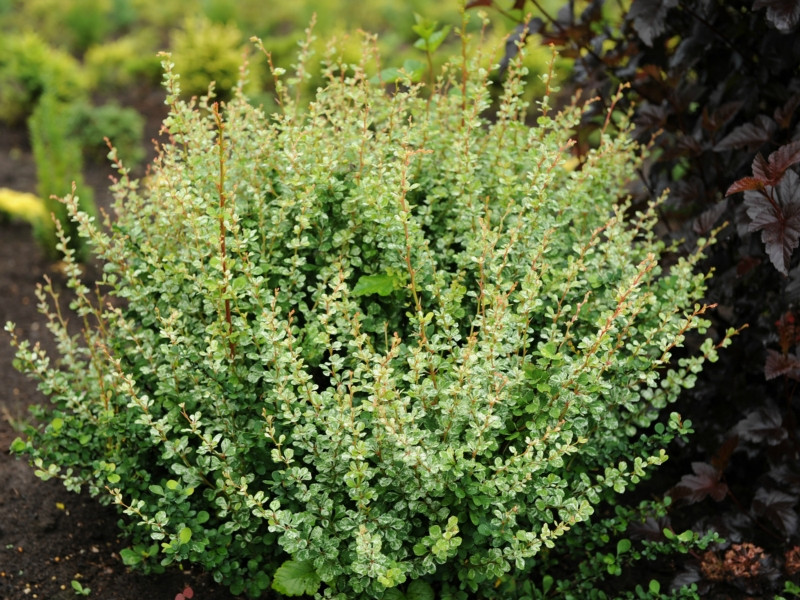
379,340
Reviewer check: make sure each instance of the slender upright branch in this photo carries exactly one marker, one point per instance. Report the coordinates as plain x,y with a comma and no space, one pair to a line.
222,229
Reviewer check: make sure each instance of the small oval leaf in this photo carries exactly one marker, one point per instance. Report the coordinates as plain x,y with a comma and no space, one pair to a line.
185,535
382,284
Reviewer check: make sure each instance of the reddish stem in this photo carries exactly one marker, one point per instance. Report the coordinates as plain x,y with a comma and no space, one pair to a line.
222,229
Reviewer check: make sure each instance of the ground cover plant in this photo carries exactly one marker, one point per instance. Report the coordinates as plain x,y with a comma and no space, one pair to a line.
376,343
716,88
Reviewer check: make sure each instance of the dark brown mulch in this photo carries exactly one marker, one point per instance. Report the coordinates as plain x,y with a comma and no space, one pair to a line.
50,537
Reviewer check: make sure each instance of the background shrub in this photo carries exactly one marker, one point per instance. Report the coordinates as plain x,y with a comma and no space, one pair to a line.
377,342
73,25
29,69
89,126
118,40
130,61
205,51
88,22
59,164
23,206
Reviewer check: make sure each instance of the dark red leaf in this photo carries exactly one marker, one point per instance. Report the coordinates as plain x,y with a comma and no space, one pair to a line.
783,158
572,38
649,17
788,331
747,264
781,364
474,3
705,482
768,171
748,135
778,221
518,5
761,168
687,53
706,221
778,508
651,529
691,191
781,14
762,425
723,455
744,184
733,525
652,117
726,112
688,146
786,476
783,115
714,121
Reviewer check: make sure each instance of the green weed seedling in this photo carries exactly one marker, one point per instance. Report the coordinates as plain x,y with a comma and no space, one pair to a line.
79,589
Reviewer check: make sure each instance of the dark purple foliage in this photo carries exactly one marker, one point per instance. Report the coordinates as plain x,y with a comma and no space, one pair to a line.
705,482
749,135
778,508
649,18
775,212
781,364
781,14
763,425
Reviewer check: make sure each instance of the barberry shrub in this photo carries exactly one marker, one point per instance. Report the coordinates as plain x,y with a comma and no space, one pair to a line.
375,344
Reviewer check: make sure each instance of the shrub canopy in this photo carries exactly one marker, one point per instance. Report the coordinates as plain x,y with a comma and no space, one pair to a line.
375,340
